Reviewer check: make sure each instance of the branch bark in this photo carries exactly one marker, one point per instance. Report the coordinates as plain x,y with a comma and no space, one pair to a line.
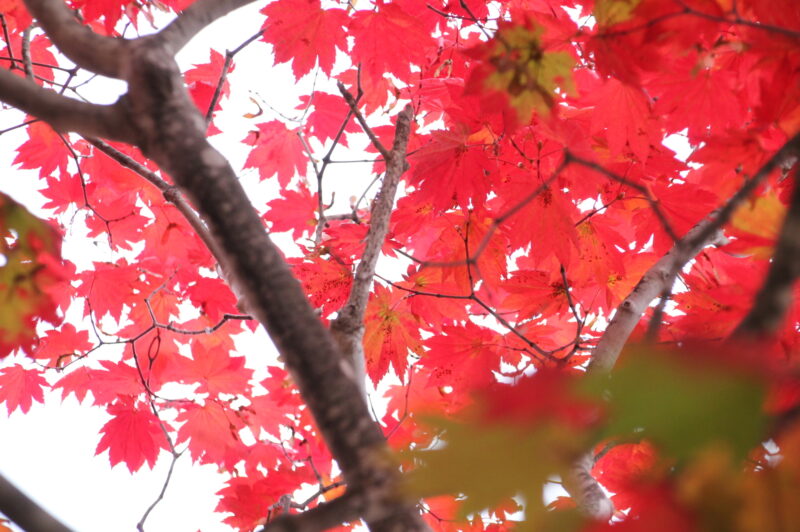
193,19
348,327
773,300
64,114
327,515
24,512
96,53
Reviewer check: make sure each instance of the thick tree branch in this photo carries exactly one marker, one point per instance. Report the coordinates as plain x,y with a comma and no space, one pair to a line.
773,300
79,43
193,19
327,515
64,114
661,275
657,280
171,131
578,480
348,327
25,512
586,491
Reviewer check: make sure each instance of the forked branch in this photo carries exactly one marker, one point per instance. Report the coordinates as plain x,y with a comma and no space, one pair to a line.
348,328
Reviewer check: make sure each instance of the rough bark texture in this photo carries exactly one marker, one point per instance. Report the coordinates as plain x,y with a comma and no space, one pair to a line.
158,116
348,327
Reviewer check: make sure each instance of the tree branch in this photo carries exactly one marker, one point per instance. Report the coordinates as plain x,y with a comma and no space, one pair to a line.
193,19
348,327
773,300
79,43
657,280
171,131
326,515
64,114
25,512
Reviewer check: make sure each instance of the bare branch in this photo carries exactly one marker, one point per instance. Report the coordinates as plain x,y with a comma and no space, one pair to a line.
348,328
79,43
25,512
353,103
27,64
64,114
193,19
588,495
175,456
229,55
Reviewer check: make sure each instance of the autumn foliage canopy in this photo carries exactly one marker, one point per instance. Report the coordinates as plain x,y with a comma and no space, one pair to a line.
563,297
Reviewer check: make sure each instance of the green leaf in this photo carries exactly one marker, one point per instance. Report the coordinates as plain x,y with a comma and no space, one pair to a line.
684,403
490,463
610,12
30,250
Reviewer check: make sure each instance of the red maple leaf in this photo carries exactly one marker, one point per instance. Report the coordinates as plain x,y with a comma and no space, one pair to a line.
19,387
302,32
133,435
245,498
327,118
214,369
380,41
44,150
108,10
295,210
202,81
462,357
211,434
452,168
624,468
115,379
391,332
212,296
109,287
326,282
277,150
63,192
57,346
624,112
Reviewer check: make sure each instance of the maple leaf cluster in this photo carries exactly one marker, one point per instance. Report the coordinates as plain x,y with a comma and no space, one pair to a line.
540,198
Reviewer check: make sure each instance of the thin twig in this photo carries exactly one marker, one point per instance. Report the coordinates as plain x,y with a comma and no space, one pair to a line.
140,524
